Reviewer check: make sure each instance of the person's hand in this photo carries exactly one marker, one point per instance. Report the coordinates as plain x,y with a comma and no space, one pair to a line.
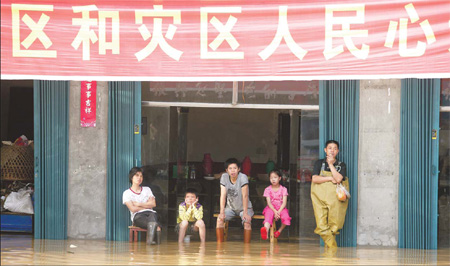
332,180
221,216
247,218
330,159
194,203
277,215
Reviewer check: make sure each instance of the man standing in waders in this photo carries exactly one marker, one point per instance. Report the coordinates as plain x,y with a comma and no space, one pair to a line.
328,210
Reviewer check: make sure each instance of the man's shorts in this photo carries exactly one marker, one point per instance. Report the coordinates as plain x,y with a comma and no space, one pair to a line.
190,229
230,214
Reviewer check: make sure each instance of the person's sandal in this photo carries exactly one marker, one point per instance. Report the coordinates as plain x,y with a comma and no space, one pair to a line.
276,234
263,233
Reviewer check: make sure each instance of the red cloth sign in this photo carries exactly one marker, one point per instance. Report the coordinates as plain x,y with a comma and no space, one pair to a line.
88,103
225,40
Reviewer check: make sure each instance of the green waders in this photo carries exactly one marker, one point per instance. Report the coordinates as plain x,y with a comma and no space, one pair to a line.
328,210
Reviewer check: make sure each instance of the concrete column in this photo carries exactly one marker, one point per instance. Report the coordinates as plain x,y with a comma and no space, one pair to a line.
87,167
378,168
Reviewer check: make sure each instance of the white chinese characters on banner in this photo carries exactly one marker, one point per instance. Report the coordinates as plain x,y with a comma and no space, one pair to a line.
86,35
37,31
223,41
345,33
224,34
283,33
419,50
157,38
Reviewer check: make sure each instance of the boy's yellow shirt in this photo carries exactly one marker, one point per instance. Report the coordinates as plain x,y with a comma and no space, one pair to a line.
189,214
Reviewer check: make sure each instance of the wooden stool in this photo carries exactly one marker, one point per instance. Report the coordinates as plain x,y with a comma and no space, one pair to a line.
134,232
273,228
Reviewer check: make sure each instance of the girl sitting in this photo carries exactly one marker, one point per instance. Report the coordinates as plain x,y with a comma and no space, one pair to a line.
276,196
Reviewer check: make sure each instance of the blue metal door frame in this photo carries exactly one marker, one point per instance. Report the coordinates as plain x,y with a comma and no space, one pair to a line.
419,160
339,120
124,152
51,151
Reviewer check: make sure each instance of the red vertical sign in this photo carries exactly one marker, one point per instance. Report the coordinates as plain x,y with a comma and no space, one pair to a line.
88,103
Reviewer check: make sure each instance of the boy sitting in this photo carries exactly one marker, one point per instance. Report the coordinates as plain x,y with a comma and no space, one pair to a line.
234,194
190,214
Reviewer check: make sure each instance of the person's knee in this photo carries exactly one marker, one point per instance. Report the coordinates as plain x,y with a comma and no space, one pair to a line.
200,224
269,216
184,224
286,221
284,216
220,223
247,226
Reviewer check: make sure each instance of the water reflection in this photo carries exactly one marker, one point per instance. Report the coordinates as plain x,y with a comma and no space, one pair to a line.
418,256
191,253
19,250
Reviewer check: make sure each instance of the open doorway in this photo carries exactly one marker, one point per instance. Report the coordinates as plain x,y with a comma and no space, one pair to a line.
444,166
263,122
17,155
180,139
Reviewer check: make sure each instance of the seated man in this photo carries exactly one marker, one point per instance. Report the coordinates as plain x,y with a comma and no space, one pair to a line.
234,194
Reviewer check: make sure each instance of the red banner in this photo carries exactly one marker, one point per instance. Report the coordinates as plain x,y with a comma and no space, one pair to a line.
88,103
224,40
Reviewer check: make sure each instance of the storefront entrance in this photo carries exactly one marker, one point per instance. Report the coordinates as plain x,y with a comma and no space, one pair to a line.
181,135
180,141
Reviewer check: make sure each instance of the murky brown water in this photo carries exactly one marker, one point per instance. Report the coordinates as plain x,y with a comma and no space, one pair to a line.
23,250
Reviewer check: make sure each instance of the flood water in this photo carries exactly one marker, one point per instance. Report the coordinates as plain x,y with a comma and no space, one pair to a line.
24,250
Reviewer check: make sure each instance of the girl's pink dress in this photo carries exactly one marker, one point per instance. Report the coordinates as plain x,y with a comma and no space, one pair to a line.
276,198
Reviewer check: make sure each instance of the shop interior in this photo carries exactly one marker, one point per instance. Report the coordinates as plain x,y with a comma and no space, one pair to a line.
17,155
187,127
193,138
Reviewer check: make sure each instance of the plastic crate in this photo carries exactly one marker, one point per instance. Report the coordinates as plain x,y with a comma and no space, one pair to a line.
16,222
